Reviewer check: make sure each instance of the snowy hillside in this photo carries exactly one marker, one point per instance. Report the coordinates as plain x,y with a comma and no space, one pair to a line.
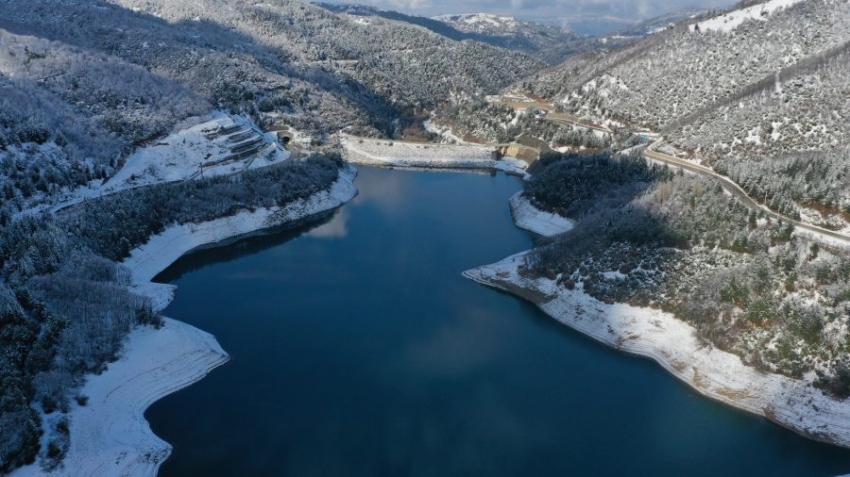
727,22
760,93
668,76
85,83
548,43
660,23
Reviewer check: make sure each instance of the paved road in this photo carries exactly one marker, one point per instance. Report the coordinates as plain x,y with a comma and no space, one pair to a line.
525,105
741,194
569,119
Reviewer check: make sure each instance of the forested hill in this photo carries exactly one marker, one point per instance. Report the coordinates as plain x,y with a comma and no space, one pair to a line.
760,92
84,82
668,76
549,43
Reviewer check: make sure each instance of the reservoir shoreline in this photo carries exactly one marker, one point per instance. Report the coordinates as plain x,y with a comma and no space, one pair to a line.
110,434
389,325
793,404
156,363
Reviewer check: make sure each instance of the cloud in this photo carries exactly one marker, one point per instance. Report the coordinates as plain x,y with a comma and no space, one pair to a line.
412,5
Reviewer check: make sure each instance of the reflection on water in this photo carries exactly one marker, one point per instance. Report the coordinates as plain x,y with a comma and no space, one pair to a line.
233,249
336,228
359,350
459,348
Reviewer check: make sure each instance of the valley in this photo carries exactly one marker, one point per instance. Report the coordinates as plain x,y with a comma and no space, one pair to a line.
687,185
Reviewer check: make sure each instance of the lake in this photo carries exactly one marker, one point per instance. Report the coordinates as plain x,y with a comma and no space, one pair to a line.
358,349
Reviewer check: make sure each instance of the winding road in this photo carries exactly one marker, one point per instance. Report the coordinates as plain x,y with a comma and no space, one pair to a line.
576,121
738,192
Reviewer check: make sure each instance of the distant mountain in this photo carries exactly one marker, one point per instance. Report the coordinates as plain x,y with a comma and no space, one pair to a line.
616,26
594,24
659,23
513,33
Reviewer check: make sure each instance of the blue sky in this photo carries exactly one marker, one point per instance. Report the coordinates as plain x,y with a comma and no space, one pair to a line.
557,11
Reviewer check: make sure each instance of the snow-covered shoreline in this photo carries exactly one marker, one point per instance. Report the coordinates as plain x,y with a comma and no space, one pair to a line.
110,436
383,152
672,343
165,248
527,216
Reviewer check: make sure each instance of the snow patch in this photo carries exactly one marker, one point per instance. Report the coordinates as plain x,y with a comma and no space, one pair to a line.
527,216
222,145
729,21
110,436
443,132
208,149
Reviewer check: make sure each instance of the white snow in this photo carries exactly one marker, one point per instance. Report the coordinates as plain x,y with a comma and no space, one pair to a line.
110,436
161,250
754,136
614,276
729,21
527,216
792,403
446,133
194,152
184,155
384,152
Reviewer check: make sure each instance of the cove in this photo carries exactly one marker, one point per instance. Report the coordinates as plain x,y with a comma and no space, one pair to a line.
358,349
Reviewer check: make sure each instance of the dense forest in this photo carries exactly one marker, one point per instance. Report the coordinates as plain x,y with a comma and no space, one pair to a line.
549,43
64,303
650,237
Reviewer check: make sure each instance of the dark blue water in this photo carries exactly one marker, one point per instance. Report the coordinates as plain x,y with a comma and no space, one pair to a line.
359,350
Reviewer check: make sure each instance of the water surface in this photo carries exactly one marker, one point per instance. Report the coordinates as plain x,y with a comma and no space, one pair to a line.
359,350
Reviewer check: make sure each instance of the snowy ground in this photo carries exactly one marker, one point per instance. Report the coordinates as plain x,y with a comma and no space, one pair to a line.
444,132
729,21
527,216
384,152
110,436
163,249
224,144
208,149
794,404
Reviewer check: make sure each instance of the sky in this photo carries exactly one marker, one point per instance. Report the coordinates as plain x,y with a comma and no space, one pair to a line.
564,12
